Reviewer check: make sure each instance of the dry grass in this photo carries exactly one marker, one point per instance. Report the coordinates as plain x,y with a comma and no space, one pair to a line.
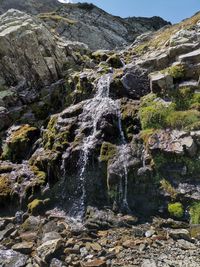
162,37
55,17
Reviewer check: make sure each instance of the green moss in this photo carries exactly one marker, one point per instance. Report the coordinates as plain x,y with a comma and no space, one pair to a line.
176,210
195,213
37,206
19,143
5,187
108,151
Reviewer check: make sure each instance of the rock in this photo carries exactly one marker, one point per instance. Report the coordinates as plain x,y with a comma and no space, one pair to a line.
31,224
11,258
24,247
149,263
185,245
95,246
17,146
173,142
49,249
129,244
94,263
56,263
192,57
160,82
179,234
50,236
195,231
150,233
8,230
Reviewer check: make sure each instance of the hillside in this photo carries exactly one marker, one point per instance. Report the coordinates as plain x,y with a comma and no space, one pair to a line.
99,150
86,23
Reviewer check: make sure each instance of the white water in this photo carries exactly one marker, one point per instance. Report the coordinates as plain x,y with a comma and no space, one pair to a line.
98,106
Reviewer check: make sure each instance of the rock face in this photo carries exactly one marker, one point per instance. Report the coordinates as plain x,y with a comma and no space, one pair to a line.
73,21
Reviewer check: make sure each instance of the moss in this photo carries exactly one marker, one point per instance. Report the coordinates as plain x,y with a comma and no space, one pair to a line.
182,98
176,210
18,144
5,187
108,151
141,49
195,213
145,134
37,206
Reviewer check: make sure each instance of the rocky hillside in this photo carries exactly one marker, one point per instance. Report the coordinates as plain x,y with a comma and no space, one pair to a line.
100,150
86,23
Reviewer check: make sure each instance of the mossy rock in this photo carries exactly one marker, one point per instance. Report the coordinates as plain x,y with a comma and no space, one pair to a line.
176,210
114,61
5,188
38,206
108,152
195,213
18,144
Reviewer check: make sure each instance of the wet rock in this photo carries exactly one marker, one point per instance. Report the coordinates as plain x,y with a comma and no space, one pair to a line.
11,258
49,249
24,247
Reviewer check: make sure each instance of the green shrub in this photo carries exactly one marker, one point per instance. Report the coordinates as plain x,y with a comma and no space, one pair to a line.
195,213
177,71
176,210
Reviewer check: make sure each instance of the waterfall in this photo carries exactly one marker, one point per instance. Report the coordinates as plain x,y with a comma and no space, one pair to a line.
93,111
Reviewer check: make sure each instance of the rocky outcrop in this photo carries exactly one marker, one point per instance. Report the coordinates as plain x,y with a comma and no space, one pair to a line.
73,21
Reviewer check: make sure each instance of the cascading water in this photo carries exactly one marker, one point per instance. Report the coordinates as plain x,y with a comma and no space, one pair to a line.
93,111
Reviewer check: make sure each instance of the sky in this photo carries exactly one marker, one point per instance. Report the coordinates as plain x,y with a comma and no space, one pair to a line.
170,10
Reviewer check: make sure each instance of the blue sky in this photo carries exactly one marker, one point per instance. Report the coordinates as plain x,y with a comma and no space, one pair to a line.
172,10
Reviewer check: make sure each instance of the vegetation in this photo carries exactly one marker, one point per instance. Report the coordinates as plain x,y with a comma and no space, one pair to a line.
168,188
195,213
176,210
108,151
55,17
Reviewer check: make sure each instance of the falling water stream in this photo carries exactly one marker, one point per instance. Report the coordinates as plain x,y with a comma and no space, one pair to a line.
94,110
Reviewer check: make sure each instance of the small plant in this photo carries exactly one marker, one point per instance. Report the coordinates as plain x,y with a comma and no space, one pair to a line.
177,71
168,188
176,210
195,213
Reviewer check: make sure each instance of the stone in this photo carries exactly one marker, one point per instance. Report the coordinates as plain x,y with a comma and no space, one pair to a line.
148,263
94,263
49,249
11,258
185,245
95,246
50,236
56,263
179,234
24,247
150,233
8,230
192,57
160,82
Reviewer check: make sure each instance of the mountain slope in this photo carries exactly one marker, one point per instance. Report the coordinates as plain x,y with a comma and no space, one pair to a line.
87,23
